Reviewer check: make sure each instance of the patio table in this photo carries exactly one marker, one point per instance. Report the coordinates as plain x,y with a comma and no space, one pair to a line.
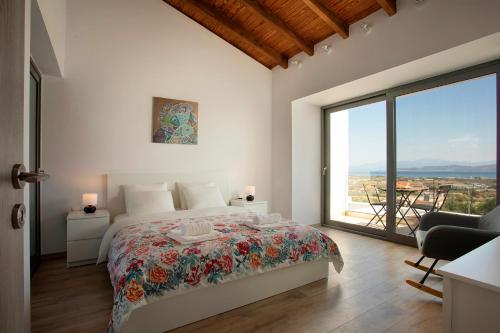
405,201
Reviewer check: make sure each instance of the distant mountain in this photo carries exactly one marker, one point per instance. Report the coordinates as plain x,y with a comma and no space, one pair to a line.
453,168
429,165
433,163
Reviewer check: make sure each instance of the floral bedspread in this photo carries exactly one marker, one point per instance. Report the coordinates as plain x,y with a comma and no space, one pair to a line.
145,264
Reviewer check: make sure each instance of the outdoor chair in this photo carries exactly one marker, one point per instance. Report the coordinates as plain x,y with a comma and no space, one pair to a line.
376,203
434,205
448,236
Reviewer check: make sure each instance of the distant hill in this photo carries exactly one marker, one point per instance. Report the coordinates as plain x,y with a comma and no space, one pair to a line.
453,168
429,165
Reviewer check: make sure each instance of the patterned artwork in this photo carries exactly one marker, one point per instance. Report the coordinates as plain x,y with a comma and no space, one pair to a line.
145,264
175,121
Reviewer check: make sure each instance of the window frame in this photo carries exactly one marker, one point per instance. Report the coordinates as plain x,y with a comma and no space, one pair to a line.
390,95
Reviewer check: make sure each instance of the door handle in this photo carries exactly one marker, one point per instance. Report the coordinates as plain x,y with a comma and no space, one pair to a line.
20,177
325,169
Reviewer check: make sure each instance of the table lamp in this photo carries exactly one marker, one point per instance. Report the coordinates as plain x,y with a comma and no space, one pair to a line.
89,200
250,192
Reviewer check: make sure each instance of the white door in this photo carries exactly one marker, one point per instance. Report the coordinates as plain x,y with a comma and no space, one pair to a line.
12,73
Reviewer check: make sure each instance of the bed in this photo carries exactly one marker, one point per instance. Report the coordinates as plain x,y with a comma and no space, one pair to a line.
160,284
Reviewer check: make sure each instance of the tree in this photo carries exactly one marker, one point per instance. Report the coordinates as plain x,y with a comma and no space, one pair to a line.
484,206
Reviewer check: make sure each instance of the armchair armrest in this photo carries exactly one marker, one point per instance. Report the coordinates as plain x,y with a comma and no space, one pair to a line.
433,219
450,242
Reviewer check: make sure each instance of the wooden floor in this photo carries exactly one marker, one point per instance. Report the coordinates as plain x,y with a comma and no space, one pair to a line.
368,296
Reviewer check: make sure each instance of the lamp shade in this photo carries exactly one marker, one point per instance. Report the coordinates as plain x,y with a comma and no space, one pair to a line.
250,190
89,199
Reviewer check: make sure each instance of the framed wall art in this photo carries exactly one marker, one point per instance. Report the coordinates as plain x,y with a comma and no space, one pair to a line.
175,121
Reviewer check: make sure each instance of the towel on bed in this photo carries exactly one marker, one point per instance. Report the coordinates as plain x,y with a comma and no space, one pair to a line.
270,221
266,219
269,226
177,235
196,228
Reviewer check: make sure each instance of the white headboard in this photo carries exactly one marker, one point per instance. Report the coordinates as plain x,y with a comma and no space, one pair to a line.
116,200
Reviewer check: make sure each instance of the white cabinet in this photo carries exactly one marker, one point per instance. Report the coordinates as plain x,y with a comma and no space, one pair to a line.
259,207
84,235
471,294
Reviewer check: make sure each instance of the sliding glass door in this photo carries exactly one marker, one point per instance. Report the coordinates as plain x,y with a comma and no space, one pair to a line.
391,157
446,145
357,174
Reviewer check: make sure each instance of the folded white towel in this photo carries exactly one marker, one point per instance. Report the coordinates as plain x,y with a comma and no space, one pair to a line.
176,235
269,226
196,228
267,219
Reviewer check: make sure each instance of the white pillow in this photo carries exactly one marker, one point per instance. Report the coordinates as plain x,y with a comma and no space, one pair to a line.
181,186
149,187
203,197
149,202
127,189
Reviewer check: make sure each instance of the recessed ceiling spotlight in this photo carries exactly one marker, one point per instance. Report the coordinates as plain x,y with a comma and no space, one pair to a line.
296,62
327,48
365,27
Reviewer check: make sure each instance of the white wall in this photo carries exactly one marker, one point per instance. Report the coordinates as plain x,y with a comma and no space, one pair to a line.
306,163
41,48
54,18
339,166
98,118
414,32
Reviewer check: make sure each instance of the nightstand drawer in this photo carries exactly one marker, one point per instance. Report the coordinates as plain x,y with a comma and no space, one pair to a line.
259,207
83,250
86,228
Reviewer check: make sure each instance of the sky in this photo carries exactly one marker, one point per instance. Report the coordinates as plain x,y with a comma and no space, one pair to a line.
454,123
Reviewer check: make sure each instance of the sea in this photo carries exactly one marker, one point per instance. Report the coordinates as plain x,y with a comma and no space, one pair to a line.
432,174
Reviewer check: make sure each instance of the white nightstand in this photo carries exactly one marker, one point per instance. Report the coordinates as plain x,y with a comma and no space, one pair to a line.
84,234
255,206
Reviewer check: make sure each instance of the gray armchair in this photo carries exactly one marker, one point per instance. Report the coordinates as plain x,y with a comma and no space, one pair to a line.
448,236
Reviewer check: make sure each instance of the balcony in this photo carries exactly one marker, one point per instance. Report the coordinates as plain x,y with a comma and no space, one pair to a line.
466,195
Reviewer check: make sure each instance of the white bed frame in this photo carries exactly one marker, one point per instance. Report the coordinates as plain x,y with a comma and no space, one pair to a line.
179,310
170,313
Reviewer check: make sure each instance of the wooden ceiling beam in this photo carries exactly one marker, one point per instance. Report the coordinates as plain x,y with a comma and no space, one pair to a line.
389,6
328,17
278,24
219,19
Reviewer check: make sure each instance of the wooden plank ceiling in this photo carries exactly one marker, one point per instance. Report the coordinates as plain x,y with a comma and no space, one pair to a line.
273,31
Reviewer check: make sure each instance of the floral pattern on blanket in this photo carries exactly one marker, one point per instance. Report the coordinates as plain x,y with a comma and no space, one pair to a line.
145,264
